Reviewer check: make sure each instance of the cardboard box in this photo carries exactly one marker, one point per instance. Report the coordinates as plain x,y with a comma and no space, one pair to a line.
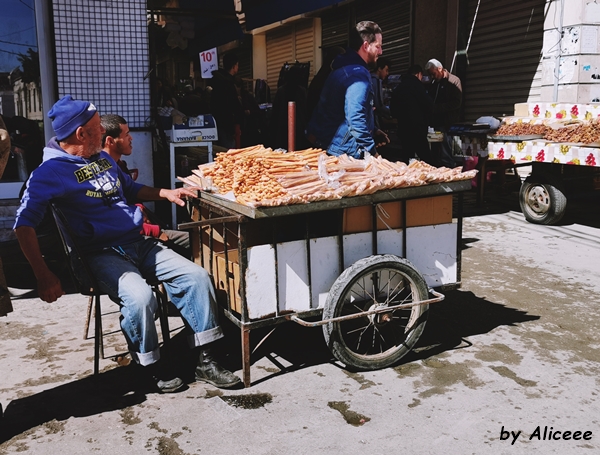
521,110
429,211
390,215
360,219
229,271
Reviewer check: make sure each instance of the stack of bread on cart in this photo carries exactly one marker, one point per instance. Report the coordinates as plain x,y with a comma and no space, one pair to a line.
262,177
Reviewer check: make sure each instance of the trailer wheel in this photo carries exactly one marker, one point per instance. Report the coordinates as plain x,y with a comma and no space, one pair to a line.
378,340
542,203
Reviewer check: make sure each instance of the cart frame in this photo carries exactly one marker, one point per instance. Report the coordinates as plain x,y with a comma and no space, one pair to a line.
229,220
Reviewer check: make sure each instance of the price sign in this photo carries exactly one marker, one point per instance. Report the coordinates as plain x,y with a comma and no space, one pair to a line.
208,62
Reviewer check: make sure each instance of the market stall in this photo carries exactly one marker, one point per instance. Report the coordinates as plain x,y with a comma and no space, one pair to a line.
354,246
562,144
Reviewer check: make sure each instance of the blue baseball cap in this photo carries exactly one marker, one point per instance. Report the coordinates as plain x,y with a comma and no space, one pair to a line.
68,114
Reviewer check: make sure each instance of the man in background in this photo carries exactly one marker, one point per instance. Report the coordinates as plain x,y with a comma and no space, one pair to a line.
378,77
225,104
446,93
413,108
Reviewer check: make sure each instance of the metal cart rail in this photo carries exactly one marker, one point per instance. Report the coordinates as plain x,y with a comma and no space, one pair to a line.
353,262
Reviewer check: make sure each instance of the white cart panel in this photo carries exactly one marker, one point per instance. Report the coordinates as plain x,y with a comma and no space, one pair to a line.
432,250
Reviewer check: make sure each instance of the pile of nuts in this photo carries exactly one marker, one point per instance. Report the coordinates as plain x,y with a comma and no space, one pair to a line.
583,133
521,129
576,132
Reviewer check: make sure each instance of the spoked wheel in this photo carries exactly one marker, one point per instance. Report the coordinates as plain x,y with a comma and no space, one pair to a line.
377,340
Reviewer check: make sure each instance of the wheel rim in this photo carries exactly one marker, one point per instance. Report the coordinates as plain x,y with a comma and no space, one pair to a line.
537,201
378,335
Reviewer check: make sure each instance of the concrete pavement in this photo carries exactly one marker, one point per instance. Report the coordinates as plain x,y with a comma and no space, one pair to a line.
513,353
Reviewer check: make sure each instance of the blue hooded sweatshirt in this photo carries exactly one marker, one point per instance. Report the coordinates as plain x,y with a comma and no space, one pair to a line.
92,193
343,121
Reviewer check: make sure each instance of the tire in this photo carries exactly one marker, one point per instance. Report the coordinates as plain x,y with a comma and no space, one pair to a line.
379,340
542,203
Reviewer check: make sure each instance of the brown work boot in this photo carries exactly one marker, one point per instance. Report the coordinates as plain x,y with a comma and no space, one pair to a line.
210,371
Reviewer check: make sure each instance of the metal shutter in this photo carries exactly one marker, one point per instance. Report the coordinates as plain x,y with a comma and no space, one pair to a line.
305,45
504,56
244,53
394,18
288,44
334,27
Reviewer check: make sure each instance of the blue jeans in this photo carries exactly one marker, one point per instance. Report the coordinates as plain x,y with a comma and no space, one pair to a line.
125,275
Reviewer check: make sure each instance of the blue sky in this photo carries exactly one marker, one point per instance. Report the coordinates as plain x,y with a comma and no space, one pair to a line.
17,31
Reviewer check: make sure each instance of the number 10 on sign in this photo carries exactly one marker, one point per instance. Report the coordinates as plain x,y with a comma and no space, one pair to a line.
208,62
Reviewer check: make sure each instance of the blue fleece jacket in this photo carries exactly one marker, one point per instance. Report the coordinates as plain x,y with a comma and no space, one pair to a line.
343,121
92,193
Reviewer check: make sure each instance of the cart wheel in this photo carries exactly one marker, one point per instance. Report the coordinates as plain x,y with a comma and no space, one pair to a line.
378,340
542,203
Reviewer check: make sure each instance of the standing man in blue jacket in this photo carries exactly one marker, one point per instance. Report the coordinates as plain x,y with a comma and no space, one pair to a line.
344,122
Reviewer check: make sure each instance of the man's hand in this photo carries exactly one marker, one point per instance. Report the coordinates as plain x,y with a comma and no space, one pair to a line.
177,195
49,287
381,139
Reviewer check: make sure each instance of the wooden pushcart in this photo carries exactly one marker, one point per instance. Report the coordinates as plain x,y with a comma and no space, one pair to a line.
364,268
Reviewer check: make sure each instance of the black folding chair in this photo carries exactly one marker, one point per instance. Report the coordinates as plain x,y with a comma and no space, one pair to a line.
87,285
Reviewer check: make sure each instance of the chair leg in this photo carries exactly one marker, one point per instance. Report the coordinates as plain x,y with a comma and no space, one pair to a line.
163,312
90,309
98,344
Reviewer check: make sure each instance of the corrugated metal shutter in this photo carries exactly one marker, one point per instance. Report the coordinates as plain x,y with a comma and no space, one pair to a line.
334,27
503,66
244,53
288,44
280,49
305,45
394,18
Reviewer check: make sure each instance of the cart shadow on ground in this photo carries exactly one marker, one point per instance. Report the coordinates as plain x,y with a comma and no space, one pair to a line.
289,348
450,325
460,316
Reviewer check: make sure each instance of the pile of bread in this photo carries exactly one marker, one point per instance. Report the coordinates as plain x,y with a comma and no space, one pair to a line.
261,177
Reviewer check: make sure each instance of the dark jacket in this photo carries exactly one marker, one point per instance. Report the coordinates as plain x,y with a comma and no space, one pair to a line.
225,105
411,105
447,99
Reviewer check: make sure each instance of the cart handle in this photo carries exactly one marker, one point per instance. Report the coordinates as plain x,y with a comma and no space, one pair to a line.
222,219
438,298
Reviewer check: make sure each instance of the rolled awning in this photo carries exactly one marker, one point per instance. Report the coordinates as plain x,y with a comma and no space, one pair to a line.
265,12
213,22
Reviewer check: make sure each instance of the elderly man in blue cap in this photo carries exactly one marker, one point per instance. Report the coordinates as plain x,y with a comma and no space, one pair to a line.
93,193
